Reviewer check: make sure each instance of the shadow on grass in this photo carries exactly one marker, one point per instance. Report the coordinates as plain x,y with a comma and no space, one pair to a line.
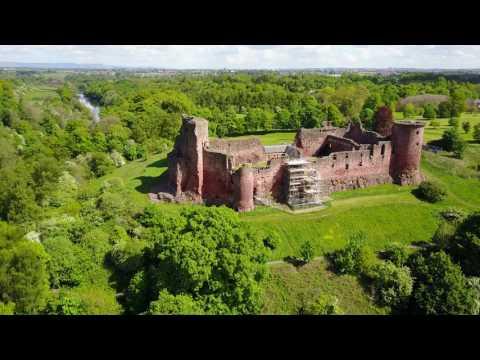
159,163
152,184
294,261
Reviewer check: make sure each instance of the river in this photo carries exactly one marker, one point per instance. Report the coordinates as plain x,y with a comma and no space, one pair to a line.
95,110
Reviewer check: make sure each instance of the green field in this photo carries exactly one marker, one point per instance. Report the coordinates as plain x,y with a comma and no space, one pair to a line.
272,138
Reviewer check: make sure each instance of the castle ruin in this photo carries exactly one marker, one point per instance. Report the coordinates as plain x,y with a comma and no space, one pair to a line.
243,172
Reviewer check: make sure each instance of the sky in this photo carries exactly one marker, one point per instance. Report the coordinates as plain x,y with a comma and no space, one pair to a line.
250,56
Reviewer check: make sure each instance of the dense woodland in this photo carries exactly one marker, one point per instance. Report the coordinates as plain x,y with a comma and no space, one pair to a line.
69,247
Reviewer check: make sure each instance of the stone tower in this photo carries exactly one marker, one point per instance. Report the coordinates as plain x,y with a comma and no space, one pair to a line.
243,191
407,141
185,162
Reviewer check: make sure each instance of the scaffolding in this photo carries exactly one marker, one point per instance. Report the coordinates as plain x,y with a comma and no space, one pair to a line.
303,185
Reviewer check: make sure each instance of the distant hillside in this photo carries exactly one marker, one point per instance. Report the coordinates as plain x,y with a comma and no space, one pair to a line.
421,100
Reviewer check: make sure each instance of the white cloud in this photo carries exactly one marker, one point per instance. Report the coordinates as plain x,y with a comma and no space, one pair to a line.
250,56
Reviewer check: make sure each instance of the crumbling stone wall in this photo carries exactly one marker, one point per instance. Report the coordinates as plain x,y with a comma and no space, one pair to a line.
185,162
309,141
241,151
217,178
335,144
349,170
357,133
269,180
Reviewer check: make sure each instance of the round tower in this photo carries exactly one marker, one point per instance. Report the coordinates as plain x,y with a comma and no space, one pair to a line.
243,189
407,141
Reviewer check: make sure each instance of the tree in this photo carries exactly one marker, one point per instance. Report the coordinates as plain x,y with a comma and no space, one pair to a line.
451,139
476,132
393,284
457,102
429,112
383,120
168,304
444,110
355,258
306,251
396,253
440,287
409,110
23,272
464,245
207,253
466,126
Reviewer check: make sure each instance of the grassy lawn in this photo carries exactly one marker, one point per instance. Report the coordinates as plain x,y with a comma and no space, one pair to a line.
272,138
287,286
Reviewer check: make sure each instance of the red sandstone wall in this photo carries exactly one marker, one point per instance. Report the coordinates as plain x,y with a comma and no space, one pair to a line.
354,169
186,159
242,150
361,136
309,141
217,179
336,144
269,181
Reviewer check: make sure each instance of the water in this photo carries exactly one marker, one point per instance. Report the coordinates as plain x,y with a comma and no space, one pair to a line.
95,110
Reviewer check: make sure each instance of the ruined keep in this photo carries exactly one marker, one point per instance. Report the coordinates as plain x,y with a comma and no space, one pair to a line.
243,172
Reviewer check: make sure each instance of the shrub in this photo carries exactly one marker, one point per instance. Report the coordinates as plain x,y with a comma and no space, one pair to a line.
451,140
440,287
393,284
430,192
323,305
466,126
396,253
355,257
476,132
306,251
465,245
453,122
429,112
272,240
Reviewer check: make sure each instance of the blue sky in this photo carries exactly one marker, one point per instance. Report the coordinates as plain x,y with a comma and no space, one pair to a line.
250,56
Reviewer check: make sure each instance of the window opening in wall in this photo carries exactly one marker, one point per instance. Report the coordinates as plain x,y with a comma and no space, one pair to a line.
334,157
382,152
418,132
346,166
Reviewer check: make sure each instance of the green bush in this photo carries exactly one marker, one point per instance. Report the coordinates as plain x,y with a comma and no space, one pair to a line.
476,132
396,253
393,284
306,251
272,240
355,257
453,122
430,192
440,287
323,305
466,126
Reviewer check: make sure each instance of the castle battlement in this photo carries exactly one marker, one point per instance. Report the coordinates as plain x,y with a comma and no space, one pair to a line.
320,161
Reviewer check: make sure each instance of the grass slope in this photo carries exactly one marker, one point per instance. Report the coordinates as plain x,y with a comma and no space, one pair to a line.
287,287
